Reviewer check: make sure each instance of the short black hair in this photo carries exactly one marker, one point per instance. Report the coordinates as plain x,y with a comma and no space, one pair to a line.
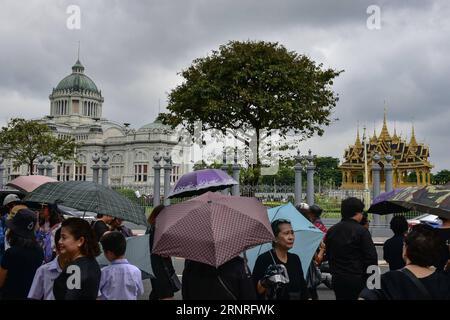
115,242
423,245
399,225
315,210
57,236
350,207
99,215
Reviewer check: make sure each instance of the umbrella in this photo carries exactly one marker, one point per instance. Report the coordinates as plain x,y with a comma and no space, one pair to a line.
307,236
138,254
381,204
89,196
201,181
29,183
212,228
433,200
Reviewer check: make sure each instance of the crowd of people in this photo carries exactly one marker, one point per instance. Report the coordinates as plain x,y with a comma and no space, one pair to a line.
46,257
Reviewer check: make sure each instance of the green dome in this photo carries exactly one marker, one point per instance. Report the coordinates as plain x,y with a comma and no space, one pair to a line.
157,124
77,80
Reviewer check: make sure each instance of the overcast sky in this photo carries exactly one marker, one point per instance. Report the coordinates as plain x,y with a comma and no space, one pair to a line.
133,50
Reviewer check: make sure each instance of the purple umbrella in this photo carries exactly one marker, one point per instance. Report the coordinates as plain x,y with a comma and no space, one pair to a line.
382,205
201,181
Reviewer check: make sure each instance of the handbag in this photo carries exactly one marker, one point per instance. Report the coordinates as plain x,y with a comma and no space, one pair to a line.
314,276
173,278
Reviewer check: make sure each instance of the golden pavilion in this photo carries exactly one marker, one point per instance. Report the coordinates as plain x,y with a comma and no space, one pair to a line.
410,162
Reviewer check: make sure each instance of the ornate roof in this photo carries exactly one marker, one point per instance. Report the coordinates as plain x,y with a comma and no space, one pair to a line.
406,154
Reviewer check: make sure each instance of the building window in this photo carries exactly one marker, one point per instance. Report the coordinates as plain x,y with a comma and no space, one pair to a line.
175,174
63,172
140,172
116,170
80,173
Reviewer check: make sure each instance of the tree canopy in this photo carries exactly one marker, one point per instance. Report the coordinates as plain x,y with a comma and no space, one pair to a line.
254,85
24,141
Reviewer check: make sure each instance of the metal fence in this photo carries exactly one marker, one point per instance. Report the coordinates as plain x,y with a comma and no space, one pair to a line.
270,195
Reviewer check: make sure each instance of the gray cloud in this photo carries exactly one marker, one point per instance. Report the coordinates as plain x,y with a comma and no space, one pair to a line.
133,50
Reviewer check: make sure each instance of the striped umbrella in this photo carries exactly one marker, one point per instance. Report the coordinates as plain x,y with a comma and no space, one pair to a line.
89,196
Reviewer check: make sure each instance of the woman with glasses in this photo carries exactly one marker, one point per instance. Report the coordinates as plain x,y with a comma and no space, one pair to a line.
278,274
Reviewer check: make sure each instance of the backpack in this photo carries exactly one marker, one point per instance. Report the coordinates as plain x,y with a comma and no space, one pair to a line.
44,238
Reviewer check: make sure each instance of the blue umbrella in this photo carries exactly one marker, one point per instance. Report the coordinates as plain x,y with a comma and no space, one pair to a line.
137,253
307,236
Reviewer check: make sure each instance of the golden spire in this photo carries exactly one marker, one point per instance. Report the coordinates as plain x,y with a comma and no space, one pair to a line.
384,135
374,137
395,138
358,140
413,141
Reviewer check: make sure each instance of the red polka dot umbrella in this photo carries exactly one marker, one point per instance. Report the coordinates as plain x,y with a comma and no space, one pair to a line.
212,228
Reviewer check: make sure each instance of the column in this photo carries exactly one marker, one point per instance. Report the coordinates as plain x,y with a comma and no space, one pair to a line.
418,177
105,168
49,166
41,166
224,168
236,174
95,167
298,178
310,179
388,171
376,182
157,180
167,170
2,169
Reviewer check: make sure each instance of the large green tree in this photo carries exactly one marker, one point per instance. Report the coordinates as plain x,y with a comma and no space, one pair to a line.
24,141
442,177
254,85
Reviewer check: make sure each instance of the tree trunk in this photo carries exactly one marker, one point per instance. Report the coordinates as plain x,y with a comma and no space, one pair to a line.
31,167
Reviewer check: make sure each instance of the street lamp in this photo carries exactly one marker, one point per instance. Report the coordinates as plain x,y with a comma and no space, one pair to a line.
366,175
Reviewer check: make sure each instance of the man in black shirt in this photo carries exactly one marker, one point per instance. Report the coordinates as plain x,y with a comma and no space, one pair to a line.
100,226
350,251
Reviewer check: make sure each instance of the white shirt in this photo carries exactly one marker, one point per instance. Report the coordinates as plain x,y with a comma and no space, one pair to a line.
42,287
121,281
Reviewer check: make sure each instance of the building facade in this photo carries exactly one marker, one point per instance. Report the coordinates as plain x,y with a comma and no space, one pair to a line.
76,107
411,164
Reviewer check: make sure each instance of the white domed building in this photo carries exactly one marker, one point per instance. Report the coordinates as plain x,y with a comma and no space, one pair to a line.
76,106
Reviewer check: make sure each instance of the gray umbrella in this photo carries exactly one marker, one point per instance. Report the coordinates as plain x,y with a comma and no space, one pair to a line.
89,196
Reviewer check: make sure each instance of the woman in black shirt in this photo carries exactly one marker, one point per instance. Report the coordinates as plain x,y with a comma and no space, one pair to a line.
296,288
418,280
230,281
22,259
163,270
80,279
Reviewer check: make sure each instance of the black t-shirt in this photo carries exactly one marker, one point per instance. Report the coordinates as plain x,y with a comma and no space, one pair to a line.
445,250
100,227
393,252
228,282
21,264
395,285
89,281
297,284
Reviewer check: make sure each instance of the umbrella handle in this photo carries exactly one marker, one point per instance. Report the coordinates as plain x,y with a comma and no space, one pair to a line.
84,213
